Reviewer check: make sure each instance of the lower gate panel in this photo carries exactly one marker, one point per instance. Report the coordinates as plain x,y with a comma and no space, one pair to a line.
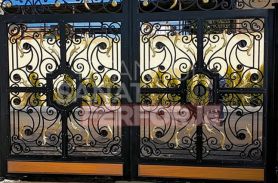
191,172
65,168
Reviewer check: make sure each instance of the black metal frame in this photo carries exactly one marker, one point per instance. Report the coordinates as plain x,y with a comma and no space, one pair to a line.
130,19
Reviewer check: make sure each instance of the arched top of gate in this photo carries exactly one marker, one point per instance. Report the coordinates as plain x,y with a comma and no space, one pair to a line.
117,6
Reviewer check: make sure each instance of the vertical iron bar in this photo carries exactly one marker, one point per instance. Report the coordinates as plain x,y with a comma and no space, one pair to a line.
199,66
200,49
126,67
63,46
275,57
199,142
2,136
134,52
64,114
4,98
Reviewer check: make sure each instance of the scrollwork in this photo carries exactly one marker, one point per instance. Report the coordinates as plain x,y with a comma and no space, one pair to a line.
232,51
34,52
168,50
33,124
204,5
239,134
98,55
93,118
60,6
95,128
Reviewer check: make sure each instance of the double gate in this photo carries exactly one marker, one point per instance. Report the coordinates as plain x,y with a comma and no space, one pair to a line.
144,88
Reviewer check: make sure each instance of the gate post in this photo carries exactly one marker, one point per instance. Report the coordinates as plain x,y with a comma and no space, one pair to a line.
3,93
275,57
4,99
271,130
2,160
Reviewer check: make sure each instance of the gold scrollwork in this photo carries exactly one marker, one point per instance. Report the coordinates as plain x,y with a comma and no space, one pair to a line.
177,140
189,130
249,134
74,50
209,49
222,141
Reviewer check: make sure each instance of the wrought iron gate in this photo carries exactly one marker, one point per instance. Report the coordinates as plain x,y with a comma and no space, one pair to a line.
194,79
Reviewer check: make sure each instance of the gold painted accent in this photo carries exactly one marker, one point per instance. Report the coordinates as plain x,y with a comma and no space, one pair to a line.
21,132
224,37
194,98
210,130
20,49
177,140
152,132
109,48
33,78
87,137
223,140
189,49
175,2
86,39
53,50
209,49
247,98
249,47
177,38
57,125
25,83
41,41
189,130
57,4
146,3
74,50
44,137
86,4
111,131
152,48
69,98
24,99
73,126
114,3
249,133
